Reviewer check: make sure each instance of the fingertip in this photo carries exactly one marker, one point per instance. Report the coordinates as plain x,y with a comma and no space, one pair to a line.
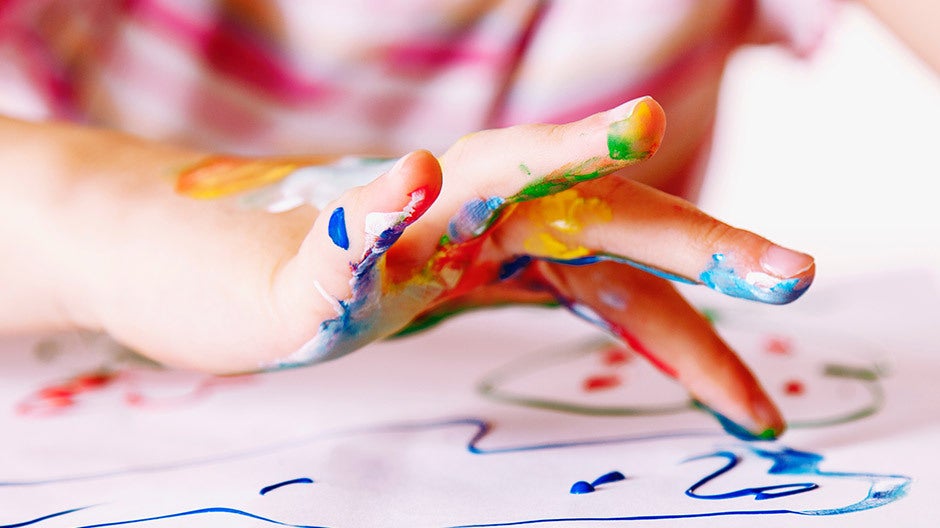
761,421
769,421
419,174
741,277
635,129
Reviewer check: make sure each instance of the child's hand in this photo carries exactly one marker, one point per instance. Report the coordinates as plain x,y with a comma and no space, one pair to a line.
104,242
506,225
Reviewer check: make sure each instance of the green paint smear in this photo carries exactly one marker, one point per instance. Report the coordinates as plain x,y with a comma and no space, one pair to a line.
490,387
711,315
619,147
556,183
842,371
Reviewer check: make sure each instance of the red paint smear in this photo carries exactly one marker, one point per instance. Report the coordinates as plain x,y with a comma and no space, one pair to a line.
602,382
60,397
794,388
56,398
616,356
778,345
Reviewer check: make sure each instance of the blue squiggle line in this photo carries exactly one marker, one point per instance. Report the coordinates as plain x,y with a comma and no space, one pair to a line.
201,511
883,489
43,518
761,493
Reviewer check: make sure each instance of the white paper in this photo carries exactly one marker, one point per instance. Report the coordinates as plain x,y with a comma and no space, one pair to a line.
380,438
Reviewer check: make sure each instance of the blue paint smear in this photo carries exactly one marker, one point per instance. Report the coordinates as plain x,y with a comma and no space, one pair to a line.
883,488
272,487
580,487
720,276
607,257
607,478
337,228
473,218
510,268
350,329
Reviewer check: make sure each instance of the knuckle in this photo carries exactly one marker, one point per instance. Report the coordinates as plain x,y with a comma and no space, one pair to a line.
713,234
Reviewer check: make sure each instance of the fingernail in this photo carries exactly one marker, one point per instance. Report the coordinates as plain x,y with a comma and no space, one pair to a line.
784,263
626,110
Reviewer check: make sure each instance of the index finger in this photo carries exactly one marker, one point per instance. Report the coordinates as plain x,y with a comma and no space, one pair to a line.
490,170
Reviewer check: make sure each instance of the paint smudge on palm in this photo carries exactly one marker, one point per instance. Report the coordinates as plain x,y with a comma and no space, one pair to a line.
371,311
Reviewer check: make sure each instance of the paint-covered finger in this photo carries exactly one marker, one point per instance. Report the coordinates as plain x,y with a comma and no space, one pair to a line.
486,172
656,321
628,222
339,271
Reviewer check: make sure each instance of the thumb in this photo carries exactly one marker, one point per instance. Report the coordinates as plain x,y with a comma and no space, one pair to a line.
338,275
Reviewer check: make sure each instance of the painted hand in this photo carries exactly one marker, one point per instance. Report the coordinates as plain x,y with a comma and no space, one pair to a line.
525,214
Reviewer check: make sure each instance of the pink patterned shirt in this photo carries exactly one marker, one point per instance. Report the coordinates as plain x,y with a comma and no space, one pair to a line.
369,77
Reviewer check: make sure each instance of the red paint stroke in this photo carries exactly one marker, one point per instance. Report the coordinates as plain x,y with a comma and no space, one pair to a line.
778,345
641,349
794,388
57,398
601,382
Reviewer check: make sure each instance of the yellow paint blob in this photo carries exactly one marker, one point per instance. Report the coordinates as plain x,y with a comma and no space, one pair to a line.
564,215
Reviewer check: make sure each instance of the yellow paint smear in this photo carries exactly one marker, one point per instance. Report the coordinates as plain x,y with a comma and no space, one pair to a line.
219,176
564,215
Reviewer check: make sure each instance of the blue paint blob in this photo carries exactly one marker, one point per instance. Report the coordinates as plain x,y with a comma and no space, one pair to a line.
337,228
721,276
733,428
272,487
580,487
514,266
473,218
607,478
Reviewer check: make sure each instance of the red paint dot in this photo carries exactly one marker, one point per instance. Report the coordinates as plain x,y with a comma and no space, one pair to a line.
55,392
794,388
602,382
778,345
91,381
616,356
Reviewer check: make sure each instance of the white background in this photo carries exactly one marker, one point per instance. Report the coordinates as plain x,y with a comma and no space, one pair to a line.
836,155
